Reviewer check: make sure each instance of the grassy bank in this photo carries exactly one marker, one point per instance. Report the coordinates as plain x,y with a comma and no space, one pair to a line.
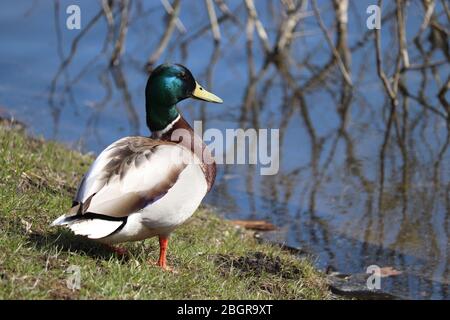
213,259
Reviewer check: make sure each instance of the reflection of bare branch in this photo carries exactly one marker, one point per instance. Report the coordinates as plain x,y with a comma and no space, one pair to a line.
121,83
369,33
253,17
429,9
119,46
285,33
380,70
165,38
76,40
213,19
92,124
421,100
209,79
342,8
107,9
107,6
224,8
66,62
194,35
442,92
402,33
170,10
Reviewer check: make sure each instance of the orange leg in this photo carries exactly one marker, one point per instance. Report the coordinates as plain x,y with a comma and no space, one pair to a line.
121,252
163,243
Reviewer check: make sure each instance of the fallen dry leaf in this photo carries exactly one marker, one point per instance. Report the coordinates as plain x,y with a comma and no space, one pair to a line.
27,225
389,271
259,225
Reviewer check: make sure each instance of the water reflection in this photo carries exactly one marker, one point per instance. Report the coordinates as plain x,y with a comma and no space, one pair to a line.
363,115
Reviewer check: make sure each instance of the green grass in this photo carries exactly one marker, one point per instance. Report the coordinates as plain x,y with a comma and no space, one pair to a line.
213,259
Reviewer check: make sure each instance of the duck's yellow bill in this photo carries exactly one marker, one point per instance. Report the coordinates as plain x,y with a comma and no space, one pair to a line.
202,94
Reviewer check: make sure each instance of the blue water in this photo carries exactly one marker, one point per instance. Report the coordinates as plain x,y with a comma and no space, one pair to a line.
327,196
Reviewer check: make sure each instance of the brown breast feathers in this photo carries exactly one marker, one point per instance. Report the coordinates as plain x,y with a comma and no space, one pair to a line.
195,144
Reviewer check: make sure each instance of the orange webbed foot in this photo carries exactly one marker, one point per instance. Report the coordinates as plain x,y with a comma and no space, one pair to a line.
162,261
119,251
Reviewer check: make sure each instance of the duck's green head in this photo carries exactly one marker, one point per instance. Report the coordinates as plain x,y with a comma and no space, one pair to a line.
167,85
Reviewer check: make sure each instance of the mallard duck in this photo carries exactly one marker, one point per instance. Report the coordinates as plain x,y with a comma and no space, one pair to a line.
141,187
